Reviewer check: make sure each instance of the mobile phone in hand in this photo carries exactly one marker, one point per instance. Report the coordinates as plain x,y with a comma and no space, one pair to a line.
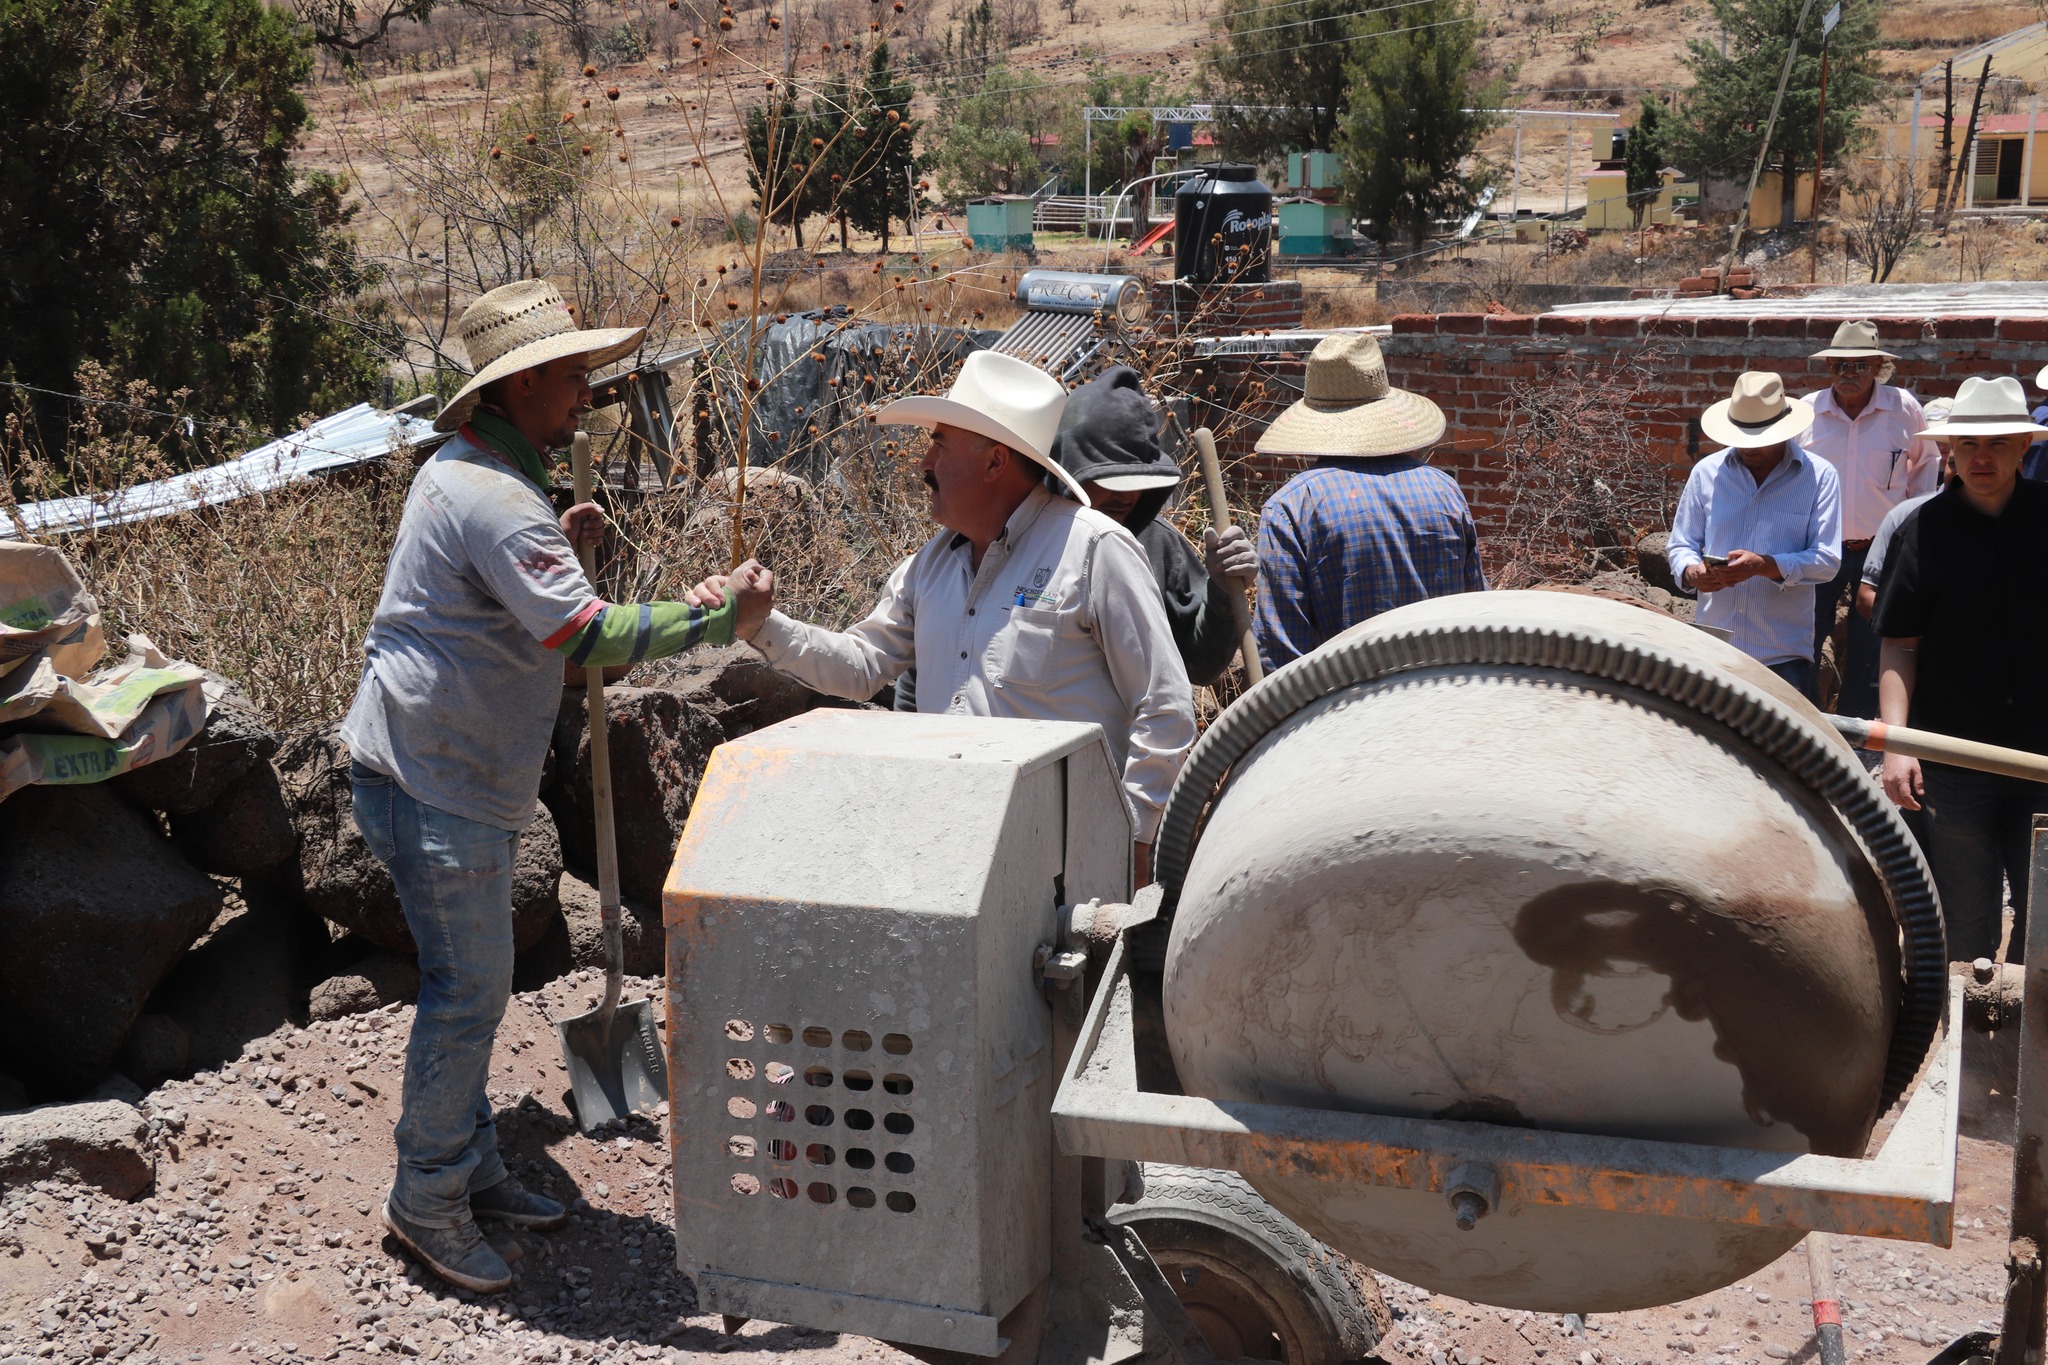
1714,561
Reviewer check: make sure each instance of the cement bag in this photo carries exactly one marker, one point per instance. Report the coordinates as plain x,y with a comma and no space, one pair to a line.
45,609
143,709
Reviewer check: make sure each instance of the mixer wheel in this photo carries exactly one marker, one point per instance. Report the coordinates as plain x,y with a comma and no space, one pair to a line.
1253,1281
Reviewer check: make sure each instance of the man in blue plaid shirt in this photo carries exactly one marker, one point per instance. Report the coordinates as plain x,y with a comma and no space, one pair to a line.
1371,525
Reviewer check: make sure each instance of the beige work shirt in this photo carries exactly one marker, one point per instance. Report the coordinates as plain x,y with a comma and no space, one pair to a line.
1877,454
1062,622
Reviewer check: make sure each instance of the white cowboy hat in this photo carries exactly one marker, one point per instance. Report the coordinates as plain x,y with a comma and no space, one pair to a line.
1000,397
1854,341
2041,379
1349,408
1757,414
1986,407
518,326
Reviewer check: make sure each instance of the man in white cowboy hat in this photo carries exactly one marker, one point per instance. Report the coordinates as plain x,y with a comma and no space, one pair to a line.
483,601
1370,525
1964,626
1024,604
1865,427
1759,524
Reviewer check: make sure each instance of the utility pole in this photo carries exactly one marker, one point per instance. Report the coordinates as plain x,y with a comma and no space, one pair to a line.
1820,138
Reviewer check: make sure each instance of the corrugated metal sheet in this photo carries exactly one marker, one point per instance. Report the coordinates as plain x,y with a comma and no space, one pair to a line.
355,436
2003,299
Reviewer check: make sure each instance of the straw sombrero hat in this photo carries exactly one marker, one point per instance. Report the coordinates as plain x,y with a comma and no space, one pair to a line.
518,326
1985,407
1757,414
1000,397
1349,408
1854,341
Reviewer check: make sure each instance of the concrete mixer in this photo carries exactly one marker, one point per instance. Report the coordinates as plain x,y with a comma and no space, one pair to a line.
1532,948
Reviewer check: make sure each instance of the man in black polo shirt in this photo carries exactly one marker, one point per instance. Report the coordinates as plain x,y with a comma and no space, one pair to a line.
1964,621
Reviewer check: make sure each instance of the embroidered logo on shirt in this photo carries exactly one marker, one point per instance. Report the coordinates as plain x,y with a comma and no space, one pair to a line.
1035,595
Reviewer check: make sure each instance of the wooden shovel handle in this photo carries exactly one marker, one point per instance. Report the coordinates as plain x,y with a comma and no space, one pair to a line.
600,771
1219,516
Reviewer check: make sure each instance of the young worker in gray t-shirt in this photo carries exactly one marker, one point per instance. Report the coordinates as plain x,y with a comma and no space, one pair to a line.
483,601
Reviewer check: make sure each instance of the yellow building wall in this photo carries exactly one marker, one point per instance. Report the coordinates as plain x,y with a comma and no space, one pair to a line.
1607,208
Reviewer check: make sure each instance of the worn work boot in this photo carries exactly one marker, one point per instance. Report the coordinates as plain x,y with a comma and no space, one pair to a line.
508,1201
459,1255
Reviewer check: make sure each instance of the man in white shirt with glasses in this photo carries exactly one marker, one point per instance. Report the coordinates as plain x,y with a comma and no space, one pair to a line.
1868,430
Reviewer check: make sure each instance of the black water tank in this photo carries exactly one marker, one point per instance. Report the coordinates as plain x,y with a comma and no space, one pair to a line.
1223,227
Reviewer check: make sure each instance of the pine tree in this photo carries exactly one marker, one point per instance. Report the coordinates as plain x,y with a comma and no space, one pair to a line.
151,220
1278,74
1722,118
880,149
788,185
1645,156
1414,117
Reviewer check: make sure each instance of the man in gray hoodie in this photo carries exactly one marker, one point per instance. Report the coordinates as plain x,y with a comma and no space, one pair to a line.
1109,440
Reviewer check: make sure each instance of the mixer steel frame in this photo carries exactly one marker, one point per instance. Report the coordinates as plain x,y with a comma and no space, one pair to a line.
1905,1192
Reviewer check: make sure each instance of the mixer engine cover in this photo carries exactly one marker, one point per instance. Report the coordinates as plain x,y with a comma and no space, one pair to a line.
1525,897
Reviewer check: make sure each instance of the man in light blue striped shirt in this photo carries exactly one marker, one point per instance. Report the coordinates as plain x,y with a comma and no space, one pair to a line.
1758,526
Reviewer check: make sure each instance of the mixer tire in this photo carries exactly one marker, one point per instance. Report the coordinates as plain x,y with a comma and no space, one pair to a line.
1253,1281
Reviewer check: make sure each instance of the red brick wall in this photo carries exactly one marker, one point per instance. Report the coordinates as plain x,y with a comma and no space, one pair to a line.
1468,361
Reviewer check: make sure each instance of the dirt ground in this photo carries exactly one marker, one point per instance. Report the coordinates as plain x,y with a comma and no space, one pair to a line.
261,1240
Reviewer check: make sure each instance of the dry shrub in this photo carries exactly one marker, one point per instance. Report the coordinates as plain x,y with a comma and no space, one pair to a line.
1582,482
274,590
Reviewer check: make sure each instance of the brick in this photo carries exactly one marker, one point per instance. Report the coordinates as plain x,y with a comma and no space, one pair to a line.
1950,329
1668,327
1614,327
1461,324
1559,324
1497,325
1777,327
1902,329
1721,327
1414,322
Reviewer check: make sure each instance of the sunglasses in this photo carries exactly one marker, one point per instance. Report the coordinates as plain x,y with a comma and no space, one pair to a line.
1852,366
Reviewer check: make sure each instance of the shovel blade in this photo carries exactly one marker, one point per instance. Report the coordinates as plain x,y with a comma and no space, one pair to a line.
617,1071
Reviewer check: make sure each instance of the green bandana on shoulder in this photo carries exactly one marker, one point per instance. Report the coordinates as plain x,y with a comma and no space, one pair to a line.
504,438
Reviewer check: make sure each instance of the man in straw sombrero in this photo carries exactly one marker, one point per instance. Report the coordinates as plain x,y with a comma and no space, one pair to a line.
1759,524
1865,427
1370,525
1024,604
1964,629
483,602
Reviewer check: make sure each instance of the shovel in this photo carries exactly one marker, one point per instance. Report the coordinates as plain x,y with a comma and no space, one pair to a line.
613,1054
1219,516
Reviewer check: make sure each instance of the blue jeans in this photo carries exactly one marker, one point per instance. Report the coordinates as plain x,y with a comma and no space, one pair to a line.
1979,837
454,880
1859,662
1797,674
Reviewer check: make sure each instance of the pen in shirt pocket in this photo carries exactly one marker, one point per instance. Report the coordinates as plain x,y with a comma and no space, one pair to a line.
1893,467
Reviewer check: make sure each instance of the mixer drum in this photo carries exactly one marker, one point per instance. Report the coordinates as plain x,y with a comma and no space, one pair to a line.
1524,896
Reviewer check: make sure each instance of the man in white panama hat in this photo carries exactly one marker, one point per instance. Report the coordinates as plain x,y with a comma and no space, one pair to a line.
483,601
1024,604
1371,525
1964,626
1759,524
1866,428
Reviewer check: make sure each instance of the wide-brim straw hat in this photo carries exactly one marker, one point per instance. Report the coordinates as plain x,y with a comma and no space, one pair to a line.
1854,341
518,326
1758,413
1986,407
1349,409
1000,397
